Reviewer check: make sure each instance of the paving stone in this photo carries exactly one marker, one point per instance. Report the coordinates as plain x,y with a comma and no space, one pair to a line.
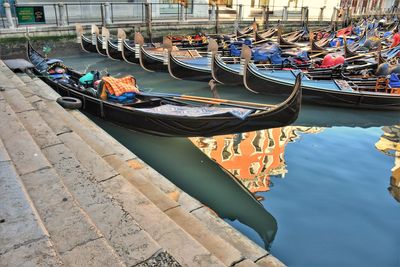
127,238
57,125
40,131
67,224
91,253
182,247
19,144
3,153
19,223
92,161
245,263
39,254
212,242
91,133
16,100
248,248
153,193
270,261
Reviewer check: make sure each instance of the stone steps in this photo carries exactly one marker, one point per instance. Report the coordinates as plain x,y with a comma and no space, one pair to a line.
128,203
100,180
75,238
23,239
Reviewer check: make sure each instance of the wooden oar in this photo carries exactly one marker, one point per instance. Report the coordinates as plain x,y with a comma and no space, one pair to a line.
209,100
226,101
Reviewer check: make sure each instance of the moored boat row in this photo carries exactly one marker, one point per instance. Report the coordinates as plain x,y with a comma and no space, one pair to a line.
272,61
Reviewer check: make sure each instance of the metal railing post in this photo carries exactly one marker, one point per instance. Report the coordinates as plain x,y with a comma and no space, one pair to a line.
102,15
10,21
107,13
112,12
66,12
240,15
61,11
183,11
148,20
285,13
217,19
213,15
55,14
321,14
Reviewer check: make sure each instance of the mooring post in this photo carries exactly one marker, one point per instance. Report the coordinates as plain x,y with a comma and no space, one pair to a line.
61,12
10,21
217,19
107,13
285,13
305,15
334,14
213,12
321,14
263,15
183,11
240,12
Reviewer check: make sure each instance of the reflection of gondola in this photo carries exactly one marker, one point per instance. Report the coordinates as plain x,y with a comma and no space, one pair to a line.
389,143
207,182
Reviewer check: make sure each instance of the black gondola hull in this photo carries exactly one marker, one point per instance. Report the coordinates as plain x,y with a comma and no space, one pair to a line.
223,74
87,45
112,51
99,47
150,62
260,84
128,53
179,70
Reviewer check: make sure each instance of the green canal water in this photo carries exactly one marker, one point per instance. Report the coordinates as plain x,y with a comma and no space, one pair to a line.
328,185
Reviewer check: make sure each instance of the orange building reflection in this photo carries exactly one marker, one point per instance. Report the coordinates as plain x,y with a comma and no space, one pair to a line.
253,157
389,144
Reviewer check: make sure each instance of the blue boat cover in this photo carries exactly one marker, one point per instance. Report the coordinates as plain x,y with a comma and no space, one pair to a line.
200,61
394,81
124,98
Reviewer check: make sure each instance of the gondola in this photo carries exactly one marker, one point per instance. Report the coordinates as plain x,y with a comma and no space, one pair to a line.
101,44
230,73
173,115
261,36
195,67
87,44
292,39
113,47
355,93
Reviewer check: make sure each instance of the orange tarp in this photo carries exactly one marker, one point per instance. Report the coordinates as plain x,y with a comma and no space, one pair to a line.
119,86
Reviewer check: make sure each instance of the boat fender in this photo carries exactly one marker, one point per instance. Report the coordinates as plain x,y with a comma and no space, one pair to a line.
69,102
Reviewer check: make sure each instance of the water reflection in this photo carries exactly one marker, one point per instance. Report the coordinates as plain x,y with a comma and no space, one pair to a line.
389,144
253,157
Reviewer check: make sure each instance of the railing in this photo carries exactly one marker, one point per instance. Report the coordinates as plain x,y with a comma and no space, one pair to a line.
69,13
